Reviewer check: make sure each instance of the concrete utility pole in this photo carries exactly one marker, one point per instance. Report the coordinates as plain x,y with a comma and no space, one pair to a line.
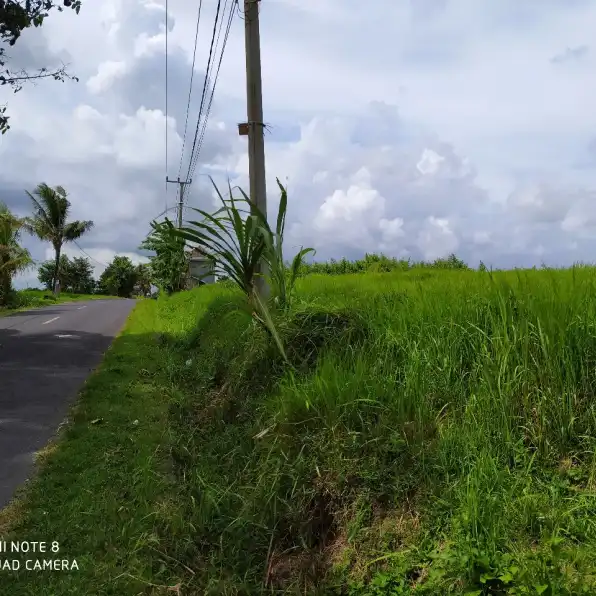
182,184
255,128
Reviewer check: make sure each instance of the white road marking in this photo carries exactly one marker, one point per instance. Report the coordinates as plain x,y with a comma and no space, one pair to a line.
81,307
63,335
54,319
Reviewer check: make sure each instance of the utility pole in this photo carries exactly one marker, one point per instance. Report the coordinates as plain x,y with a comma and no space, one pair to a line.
255,125
182,184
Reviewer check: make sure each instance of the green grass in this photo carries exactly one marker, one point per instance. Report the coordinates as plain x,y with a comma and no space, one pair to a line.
105,481
26,299
435,435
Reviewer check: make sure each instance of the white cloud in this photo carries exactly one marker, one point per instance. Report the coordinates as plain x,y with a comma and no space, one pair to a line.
436,239
430,162
419,128
392,228
107,73
139,138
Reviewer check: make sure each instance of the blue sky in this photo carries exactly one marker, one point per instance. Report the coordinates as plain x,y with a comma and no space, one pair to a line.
414,128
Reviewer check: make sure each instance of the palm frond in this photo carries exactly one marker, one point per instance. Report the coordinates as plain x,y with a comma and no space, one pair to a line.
75,229
239,240
13,257
49,220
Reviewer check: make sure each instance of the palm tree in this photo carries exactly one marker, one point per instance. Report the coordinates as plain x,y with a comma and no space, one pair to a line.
13,257
50,220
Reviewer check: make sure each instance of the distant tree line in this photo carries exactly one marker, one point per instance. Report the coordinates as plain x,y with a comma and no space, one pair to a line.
49,221
374,263
120,278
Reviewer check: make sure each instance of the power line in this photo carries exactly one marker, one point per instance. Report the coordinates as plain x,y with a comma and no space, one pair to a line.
88,255
173,208
209,86
166,187
194,144
166,211
192,72
181,184
239,10
163,213
208,112
213,86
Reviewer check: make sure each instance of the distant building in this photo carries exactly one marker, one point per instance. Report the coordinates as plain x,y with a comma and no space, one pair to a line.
200,269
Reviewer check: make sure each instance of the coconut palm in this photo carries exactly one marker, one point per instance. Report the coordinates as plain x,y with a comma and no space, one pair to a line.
49,221
13,257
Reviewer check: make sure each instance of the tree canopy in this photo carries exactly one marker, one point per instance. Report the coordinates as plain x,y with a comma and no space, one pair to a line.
169,265
119,278
75,275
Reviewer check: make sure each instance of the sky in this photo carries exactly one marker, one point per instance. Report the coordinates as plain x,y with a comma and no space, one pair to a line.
413,128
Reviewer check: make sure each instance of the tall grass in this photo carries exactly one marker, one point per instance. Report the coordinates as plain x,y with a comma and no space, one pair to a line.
435,436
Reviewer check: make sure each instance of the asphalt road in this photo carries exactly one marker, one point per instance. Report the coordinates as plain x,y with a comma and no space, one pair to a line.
45,357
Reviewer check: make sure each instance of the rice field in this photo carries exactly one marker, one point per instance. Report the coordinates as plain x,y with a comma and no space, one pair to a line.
435,437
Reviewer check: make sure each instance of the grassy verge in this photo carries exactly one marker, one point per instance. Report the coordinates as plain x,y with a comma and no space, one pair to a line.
106,482
26,299
436,435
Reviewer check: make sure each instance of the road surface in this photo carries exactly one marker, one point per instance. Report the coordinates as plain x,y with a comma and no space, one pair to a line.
45,356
